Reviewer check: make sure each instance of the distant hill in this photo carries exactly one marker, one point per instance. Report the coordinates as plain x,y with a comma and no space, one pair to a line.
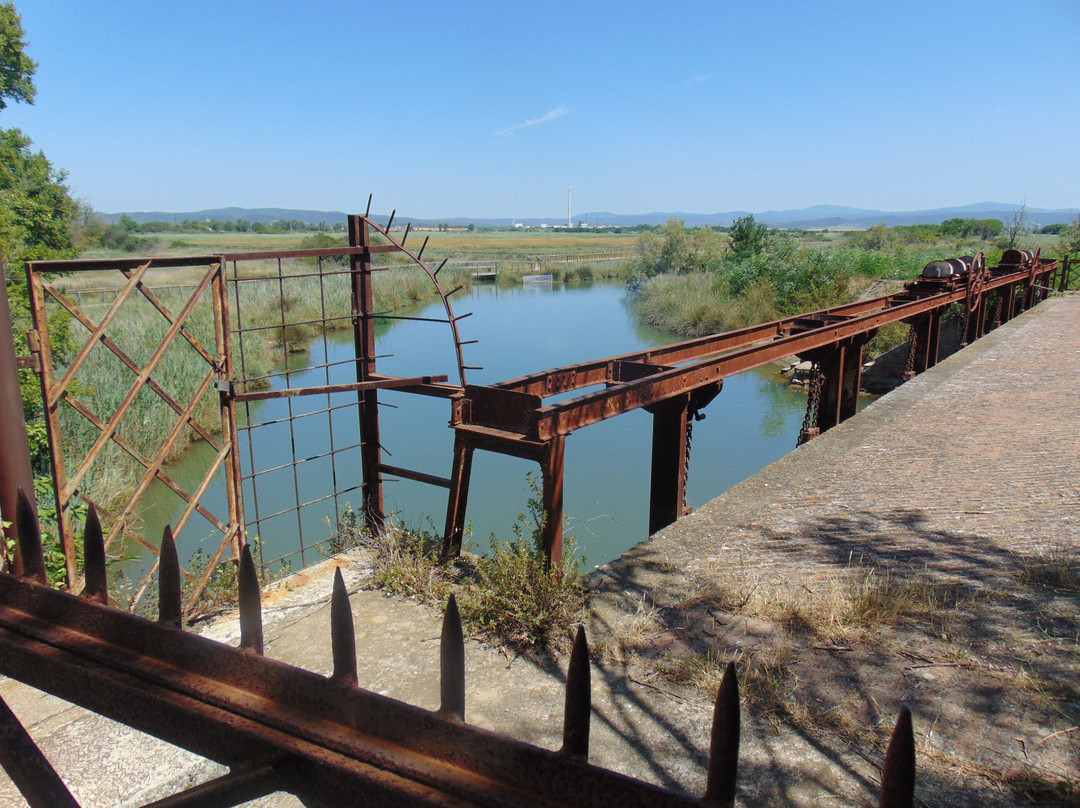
817,216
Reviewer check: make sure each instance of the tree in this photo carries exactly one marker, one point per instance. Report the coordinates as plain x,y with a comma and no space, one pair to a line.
1070,237
16,68
672,248
748,236
36,210
1015,228
37,214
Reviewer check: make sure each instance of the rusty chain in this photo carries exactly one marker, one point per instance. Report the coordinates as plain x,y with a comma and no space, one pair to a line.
813,402
913,348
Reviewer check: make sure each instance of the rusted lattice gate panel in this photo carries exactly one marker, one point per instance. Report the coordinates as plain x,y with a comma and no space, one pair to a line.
232,357
110,368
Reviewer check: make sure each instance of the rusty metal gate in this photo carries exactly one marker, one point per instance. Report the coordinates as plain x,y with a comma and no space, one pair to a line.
142,357
224,363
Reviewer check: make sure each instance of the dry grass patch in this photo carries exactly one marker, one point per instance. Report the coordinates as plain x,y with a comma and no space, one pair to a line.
766,681
841,608
1054,567
631,633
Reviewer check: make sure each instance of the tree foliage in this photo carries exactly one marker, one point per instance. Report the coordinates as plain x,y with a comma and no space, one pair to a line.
36,209
748,236
16,68
1070,238
675,249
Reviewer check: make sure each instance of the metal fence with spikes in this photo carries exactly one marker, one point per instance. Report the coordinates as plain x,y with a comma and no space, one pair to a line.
323,739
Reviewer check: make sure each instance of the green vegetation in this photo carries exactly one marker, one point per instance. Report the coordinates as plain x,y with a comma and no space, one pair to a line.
697,281
508,596
36,210
1069,238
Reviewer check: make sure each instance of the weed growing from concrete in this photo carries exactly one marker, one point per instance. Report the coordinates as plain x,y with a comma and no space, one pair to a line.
509,596
633,632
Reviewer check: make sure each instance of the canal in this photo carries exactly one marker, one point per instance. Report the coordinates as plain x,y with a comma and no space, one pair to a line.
753,422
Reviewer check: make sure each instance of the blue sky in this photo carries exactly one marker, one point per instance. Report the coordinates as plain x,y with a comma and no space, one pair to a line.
495,109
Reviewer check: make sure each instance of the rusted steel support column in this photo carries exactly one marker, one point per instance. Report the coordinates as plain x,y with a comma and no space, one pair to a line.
15,471
1004,307
667,490
1063,278
933,342
458,498
927,340
841,375
553,465
363,314
832,394
975,321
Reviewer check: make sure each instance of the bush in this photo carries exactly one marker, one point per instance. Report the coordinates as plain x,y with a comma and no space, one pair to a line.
516,600
509,596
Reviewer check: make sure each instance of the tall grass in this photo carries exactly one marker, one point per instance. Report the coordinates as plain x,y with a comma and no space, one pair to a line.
570,272
786,278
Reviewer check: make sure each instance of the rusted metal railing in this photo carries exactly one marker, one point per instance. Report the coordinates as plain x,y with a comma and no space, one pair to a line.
324,739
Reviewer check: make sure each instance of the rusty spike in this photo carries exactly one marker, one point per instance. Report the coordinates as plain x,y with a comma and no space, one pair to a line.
438,269
420,255
898,776
724,748
390,221
578,700
97,582
251,628
170,608
408,229
33,559
452,663
367,213
342,635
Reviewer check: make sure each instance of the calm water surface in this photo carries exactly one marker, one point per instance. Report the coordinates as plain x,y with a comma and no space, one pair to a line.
754,421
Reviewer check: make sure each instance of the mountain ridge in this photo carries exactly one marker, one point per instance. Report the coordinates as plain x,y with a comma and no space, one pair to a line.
815,216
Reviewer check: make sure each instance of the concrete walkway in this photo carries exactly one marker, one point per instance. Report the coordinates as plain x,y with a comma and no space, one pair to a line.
956,477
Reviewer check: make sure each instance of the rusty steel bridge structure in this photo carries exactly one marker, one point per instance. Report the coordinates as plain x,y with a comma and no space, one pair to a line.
326,739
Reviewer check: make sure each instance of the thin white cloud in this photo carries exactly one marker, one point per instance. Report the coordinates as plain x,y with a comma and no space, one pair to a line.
700,79
558,112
